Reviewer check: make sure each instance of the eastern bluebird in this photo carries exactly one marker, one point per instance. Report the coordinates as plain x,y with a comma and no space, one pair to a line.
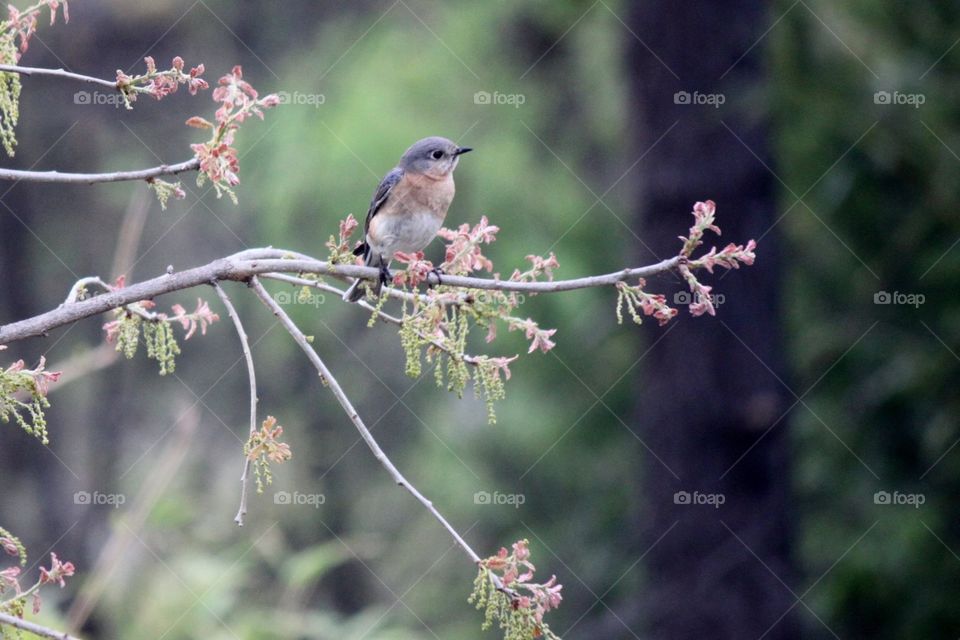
408,207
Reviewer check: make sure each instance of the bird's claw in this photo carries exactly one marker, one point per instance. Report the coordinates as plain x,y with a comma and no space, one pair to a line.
385,276
437,271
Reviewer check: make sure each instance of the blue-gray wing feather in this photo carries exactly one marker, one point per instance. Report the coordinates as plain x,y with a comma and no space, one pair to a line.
380,196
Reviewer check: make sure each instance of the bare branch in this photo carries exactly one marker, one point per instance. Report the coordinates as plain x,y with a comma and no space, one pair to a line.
92,178
251,373
344,401
58,73
244,265
32,627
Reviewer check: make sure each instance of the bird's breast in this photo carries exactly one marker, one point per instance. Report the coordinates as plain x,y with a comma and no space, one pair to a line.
412,215
429,193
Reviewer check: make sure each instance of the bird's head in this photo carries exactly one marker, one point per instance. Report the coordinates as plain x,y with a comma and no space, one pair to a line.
435,157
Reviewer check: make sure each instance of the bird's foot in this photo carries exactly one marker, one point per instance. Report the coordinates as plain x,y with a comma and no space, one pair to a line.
385,276
437,271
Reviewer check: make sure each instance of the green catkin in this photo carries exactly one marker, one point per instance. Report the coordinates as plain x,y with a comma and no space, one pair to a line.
128,335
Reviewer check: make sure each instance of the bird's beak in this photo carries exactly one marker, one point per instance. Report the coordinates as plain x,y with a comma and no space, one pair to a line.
461,150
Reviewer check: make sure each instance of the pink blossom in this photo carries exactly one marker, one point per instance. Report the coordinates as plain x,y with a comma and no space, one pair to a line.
160,84
703,303
347,227
541,339
200,318
540,266
9,578
112,330
42,379
266,442
491,332
238,100
268,101
516,575
10,546
464,253
417,271
729,258
503,365
521,550
57,571
704,214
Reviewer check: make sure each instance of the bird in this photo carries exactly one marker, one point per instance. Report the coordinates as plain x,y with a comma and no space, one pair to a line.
408,208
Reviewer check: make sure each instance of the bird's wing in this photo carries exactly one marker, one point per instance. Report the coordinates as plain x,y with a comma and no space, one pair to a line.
379,198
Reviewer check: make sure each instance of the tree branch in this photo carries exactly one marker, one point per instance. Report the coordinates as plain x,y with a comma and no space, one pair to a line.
59,73
331,382
251,374
242,266
92,178
32,627
328,380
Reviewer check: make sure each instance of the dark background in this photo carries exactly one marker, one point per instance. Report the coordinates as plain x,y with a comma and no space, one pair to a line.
798,402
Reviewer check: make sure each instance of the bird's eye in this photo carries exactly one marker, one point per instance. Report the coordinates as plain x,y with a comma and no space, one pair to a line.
436,155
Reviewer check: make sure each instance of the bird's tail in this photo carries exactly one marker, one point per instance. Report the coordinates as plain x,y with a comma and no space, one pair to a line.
360,286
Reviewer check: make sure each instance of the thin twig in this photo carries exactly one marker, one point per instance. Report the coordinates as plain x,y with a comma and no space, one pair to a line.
256,267
231,268
59,73
81,285
32,627
344,401
245,343
92,178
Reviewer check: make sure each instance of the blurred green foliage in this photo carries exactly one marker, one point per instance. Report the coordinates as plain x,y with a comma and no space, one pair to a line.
878,217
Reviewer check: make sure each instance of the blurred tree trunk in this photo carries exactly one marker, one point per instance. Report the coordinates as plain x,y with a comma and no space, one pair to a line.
705,397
